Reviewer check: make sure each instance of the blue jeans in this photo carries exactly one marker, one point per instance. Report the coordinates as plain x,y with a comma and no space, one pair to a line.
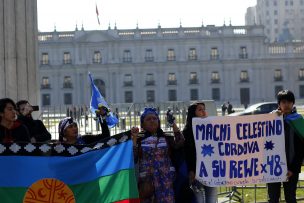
205,194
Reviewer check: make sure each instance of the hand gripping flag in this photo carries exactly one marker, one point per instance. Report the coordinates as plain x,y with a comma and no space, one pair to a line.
96,100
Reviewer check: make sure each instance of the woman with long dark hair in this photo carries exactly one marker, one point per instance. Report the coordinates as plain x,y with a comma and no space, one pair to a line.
197,109
11,130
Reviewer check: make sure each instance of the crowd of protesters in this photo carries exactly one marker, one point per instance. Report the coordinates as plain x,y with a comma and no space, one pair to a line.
166,162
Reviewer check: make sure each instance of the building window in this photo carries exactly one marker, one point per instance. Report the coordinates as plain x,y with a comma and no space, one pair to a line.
171,55
67,58
216,94
67,82
45,83
275,12
301,89
172,95
276,22
275,3
243,53
277,89
150,79
172,79
215,77
192,54
128,96
149,55
291,3
193,78
278,75
301,74
244,76
128,80
127,56
45,59
97,57
214,54
67,98
150,96
286,3
193,94
46,99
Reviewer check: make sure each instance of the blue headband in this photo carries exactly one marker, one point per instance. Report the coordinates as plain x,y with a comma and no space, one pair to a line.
148,110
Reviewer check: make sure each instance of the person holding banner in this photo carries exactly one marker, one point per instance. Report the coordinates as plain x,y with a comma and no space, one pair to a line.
68,131
153,153
294,147
196,109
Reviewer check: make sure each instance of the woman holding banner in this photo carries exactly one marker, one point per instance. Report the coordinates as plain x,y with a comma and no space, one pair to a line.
153,153
196,109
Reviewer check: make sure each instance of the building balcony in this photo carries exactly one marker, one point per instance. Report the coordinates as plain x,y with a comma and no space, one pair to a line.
127,59
192,57
243,56
128,83
67,61
149,59
301,78
215,81
279,78
67,85
244,80
172,82
96,61
150,83
45,86
193,81
215,57
45,62
171,58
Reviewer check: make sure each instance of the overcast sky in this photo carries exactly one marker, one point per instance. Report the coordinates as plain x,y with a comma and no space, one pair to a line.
65,14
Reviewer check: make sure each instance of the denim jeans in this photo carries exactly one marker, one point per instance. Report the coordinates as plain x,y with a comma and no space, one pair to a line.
204,194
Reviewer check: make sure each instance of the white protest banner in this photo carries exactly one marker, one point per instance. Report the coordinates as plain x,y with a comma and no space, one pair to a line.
240,150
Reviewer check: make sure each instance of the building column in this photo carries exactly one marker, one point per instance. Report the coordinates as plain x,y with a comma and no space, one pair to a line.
18,50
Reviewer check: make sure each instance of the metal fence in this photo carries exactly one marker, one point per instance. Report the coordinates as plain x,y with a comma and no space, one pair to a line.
129,116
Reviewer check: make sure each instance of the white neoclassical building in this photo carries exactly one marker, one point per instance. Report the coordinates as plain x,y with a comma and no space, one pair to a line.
283,19
227,63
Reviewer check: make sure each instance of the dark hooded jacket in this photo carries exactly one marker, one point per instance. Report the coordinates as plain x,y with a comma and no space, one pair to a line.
36,129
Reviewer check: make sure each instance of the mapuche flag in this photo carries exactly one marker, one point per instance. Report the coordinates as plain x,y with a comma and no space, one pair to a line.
100,172
296,121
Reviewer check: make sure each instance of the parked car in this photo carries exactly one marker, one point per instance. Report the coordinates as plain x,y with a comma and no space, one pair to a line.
259,108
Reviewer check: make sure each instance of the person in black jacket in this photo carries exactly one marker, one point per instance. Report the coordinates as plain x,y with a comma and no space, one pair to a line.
11,130
294,147
196,109
36,128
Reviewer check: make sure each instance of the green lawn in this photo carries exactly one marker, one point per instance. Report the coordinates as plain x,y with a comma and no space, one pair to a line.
260,193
